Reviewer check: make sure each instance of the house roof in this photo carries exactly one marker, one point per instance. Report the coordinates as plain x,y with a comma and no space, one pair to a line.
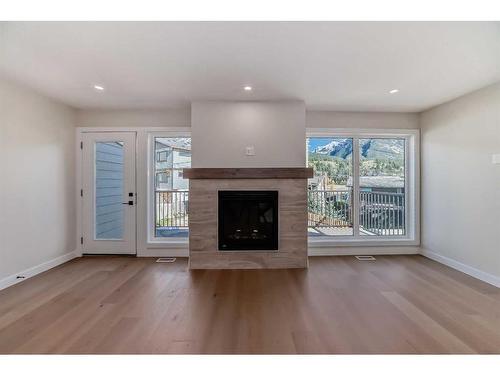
316,179
379,182
183,144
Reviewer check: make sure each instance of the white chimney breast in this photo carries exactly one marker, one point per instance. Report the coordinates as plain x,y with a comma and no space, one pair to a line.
220,130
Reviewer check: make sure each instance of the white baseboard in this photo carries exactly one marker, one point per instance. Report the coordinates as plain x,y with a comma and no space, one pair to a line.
30,272
471,271
175,252
317,251
312,251
366,250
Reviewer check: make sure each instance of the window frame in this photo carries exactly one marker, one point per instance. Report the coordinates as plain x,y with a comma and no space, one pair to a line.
412,187
151,238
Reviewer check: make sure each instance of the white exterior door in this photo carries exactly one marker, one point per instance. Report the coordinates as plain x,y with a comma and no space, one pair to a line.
109,193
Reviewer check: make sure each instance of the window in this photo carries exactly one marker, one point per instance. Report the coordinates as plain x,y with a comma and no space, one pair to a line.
364,186
171,199
162,180
161,156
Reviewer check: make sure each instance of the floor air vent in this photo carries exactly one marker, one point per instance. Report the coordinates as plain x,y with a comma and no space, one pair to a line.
365,257
165,260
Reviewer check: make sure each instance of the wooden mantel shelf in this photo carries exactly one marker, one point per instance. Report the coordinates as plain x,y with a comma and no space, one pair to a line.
247,173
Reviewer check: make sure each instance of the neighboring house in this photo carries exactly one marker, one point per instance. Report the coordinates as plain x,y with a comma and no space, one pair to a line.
318,182
381,184
170,160
109,190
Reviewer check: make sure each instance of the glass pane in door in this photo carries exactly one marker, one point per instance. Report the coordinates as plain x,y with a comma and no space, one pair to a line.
109,210
382,206
330,191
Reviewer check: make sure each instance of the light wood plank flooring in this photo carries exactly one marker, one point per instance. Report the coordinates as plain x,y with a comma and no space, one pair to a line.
398,304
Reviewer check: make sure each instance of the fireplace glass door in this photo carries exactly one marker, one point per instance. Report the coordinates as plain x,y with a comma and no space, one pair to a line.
248,220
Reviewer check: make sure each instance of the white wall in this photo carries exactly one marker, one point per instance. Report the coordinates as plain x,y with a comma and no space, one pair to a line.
37,189
181,117
361,120
460,185
220,132
133,118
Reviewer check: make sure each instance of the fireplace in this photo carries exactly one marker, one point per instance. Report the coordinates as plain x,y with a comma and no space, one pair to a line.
267,205
247,220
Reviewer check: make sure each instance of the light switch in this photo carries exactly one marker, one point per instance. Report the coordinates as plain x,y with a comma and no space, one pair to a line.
250,151
495,159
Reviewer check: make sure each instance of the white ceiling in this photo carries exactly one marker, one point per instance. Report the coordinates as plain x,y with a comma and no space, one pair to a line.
347,66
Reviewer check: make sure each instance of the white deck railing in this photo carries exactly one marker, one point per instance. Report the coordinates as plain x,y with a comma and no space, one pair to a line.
381,213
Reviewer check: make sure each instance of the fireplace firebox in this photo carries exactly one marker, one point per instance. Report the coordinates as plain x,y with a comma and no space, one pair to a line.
248,220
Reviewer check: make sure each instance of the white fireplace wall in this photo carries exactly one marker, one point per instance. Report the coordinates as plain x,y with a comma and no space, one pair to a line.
221,132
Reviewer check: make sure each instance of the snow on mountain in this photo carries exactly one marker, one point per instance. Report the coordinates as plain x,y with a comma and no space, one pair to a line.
339,147
326,149
370,148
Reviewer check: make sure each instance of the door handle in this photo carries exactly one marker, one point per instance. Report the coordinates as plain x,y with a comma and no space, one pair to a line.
129,203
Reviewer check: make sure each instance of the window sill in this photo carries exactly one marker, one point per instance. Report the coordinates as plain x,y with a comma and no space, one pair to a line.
312,243
357,242
168,244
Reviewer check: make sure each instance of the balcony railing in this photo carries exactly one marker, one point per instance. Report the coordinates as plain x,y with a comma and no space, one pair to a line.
330,208
329,211
381,213
171,213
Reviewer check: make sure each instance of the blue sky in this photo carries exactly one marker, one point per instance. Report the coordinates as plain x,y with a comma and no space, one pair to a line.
316,142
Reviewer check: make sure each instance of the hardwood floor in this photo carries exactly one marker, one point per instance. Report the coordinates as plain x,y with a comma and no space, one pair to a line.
398,304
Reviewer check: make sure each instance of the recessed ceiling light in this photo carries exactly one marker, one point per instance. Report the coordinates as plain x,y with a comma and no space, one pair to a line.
247,88
99,88
393,91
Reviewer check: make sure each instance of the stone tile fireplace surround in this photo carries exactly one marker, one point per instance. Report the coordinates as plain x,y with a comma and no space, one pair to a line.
204,185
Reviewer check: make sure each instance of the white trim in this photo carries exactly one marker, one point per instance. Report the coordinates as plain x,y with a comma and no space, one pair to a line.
356,202
412,189
33,271
350,132
363,250
169,243
350,241
179,252
471,271
78,188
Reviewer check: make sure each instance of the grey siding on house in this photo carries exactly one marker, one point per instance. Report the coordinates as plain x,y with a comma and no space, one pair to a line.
109,190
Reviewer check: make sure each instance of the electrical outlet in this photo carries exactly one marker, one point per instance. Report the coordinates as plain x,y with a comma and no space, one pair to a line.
250,151
495,159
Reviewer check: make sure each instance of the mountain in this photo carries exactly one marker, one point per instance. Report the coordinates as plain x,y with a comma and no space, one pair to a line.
340,148
389,149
